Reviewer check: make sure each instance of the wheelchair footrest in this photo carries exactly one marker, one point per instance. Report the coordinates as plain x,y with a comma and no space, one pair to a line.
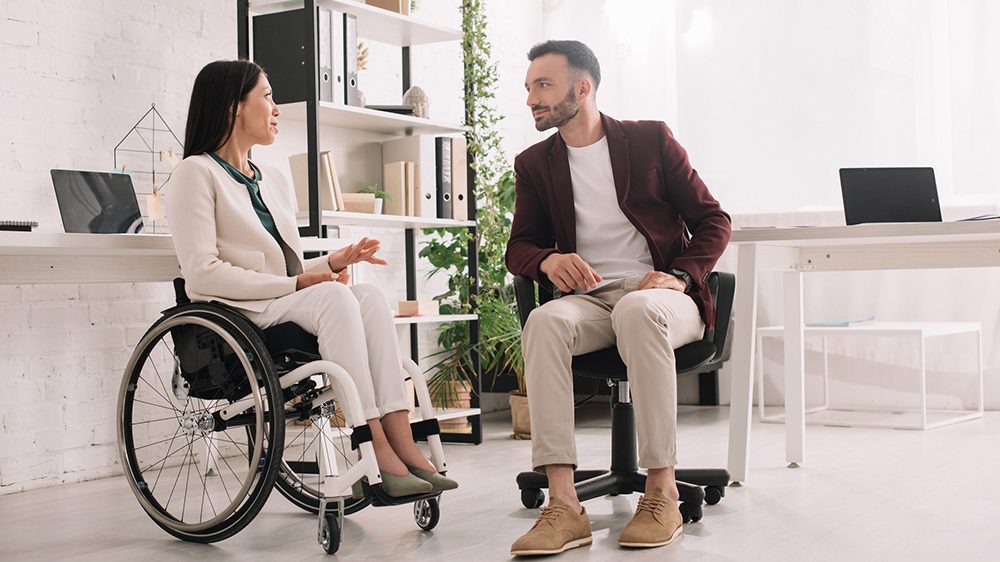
381,499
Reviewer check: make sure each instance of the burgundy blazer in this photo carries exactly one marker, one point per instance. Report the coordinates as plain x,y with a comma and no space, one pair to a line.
658,191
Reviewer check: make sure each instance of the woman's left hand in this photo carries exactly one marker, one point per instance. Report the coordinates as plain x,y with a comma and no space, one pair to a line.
364,250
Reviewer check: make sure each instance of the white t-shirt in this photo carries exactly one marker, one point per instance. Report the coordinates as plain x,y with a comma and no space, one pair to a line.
604,236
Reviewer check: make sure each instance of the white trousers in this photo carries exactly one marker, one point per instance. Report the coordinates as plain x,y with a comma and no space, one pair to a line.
354,328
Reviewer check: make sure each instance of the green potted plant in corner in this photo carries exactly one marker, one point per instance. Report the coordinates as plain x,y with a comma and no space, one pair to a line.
380,196
499,343
501,349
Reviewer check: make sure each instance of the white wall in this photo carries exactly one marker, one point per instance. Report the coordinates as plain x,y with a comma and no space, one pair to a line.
74,77
772,97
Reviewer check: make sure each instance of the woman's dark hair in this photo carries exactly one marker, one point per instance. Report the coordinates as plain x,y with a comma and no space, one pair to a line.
578,55
217,92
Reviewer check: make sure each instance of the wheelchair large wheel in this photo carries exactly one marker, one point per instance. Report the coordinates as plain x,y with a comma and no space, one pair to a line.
298,476
199,477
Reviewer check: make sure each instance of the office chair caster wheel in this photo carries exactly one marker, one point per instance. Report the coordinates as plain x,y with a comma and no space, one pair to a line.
329,533
532,498
690,512
427,513
714,494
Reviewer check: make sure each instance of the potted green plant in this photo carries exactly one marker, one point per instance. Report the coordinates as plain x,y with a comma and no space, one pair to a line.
499,350
499,345
380,196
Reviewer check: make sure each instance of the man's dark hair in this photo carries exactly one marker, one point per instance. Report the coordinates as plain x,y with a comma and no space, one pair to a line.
217,92
579,56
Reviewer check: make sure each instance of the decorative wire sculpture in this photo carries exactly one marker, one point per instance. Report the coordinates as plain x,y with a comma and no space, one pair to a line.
141,153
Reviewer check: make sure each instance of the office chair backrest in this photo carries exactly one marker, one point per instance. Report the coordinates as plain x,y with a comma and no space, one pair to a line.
723,292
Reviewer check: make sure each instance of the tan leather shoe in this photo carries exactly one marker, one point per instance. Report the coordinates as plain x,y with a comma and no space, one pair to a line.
558,528
657,522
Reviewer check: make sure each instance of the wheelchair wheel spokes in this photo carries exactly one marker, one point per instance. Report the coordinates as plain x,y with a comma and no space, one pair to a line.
299,477
197,476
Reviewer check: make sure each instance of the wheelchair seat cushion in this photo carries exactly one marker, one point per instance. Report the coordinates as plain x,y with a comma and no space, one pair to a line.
290,338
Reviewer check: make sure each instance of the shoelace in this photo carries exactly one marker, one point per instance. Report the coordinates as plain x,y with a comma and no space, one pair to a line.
550,513
652,505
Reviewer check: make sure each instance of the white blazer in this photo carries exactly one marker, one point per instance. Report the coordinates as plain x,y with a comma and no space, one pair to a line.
225,252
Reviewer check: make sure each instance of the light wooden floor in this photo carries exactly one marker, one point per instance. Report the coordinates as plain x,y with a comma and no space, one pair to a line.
863,494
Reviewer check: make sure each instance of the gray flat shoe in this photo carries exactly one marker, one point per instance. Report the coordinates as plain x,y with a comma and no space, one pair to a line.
439,482
399,486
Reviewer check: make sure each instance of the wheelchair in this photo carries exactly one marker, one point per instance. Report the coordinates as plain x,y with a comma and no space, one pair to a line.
214,412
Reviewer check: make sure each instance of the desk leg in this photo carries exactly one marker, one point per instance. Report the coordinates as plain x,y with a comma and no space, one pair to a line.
741,395
795,420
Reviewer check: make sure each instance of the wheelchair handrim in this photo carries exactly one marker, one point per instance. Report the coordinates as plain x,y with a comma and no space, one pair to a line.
128,459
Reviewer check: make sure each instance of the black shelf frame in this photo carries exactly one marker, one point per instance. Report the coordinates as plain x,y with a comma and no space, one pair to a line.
316,228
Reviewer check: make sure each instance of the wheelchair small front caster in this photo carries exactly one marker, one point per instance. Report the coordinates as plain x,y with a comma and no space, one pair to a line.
329,533
532,498
427,513
690,512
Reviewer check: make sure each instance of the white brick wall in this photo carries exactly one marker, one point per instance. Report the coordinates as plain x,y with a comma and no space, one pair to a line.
74,77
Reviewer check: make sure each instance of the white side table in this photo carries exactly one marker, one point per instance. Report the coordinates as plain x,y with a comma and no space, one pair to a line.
921,418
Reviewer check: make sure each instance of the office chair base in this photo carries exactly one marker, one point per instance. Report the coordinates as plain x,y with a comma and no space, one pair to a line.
591,484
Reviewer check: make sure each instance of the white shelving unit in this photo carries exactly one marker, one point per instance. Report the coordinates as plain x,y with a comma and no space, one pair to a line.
380,25
434,319
341,218
362,119
896,417
402,31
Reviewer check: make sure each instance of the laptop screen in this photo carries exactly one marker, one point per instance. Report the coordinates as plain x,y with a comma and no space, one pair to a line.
889,195
96,202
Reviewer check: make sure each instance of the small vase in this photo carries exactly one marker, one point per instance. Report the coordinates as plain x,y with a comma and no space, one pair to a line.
378,206
459,397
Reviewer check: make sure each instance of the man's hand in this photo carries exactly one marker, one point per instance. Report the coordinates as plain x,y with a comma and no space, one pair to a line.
660,280
364,250
569,272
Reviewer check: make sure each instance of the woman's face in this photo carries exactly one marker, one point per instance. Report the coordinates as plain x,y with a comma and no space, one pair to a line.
257,115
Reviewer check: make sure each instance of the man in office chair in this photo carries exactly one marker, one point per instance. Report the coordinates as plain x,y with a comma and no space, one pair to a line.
613,215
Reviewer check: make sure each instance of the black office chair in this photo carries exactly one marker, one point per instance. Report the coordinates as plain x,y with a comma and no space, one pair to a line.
624,477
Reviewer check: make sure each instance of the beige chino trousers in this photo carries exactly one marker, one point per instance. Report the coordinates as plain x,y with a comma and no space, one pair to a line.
646,325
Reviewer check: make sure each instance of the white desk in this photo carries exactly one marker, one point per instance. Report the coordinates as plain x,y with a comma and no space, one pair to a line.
829,248
46,257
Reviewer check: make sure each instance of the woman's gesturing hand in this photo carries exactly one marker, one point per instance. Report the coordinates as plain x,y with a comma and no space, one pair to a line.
305,280
364,250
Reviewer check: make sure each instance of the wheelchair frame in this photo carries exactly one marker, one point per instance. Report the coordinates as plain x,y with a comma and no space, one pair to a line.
337,384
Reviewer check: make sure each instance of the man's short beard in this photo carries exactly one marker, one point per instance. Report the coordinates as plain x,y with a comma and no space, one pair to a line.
561,113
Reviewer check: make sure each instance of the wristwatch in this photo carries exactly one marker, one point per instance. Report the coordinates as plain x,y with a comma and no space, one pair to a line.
683,276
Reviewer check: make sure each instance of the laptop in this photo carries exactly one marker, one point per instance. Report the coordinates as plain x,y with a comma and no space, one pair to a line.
96,202
889,195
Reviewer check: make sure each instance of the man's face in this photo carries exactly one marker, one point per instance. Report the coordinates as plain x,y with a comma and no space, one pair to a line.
551,94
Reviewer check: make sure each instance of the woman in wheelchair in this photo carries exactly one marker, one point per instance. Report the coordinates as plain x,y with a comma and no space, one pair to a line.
237,241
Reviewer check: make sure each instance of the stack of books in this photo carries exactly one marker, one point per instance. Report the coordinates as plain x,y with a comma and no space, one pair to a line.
423,176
